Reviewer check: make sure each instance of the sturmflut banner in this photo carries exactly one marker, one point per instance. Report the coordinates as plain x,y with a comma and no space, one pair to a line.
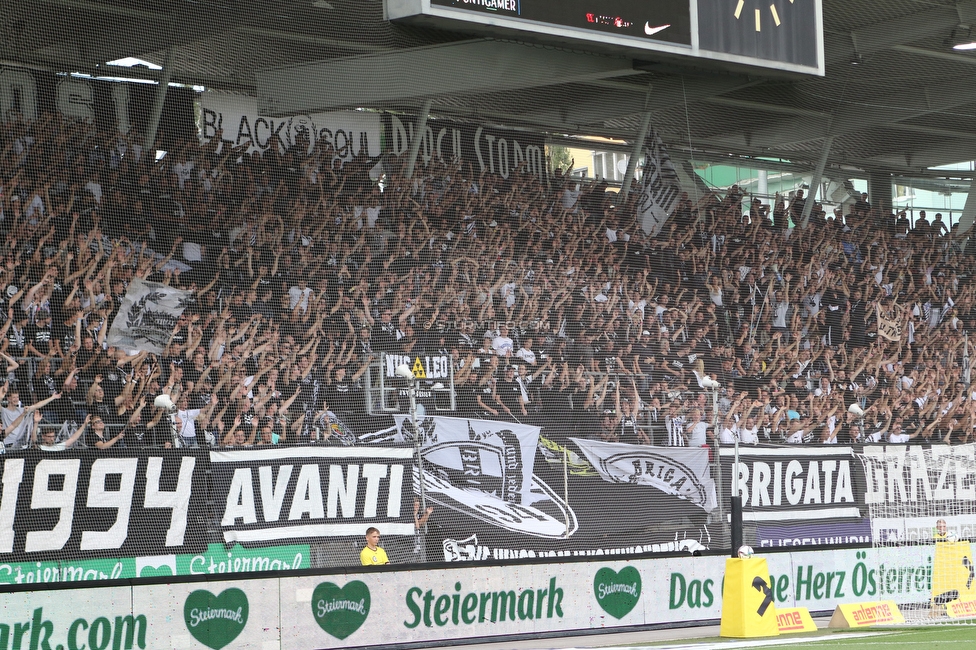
147,316
484,469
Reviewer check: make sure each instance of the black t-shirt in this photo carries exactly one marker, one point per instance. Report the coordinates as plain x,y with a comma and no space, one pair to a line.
40,338
65,334
138,436
510,394
17,341
628,430
342,396
63,408
91,438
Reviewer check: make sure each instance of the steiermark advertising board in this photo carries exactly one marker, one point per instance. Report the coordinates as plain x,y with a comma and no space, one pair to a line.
216,560
371,608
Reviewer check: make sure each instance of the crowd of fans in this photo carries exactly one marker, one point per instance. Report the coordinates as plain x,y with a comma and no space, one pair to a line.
552,303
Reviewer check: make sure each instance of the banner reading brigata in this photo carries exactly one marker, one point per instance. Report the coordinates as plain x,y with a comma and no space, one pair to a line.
795,483
81,505
680,471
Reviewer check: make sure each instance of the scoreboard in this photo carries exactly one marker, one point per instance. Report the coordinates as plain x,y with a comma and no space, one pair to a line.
782,34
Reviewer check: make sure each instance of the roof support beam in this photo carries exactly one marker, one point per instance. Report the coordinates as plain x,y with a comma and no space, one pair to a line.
906,29
635,154
406,76
815,182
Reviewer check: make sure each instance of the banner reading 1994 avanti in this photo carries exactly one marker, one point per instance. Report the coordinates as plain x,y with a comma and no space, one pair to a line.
119,514
362,609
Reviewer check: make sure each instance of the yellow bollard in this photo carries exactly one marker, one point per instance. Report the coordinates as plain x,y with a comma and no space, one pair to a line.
748,606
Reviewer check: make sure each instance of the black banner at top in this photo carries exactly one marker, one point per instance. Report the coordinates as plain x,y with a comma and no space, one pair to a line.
485,149
112,106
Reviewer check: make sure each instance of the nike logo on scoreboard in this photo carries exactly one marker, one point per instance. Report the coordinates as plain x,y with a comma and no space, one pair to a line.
651,31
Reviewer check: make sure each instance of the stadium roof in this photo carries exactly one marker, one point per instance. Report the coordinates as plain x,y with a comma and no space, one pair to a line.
909,104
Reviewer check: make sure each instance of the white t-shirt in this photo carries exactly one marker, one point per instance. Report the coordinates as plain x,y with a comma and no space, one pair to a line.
189,428
899,438
696,434
502,345
727,437
749,436
296,295
796,438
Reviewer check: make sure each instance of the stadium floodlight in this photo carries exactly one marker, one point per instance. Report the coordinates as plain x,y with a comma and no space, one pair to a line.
961,38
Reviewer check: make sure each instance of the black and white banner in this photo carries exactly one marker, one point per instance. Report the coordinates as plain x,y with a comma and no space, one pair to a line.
484,469
423,366
78,504
236,120
910,487
111,106
485,149
679,471
147,316
660,187
289,493
795,483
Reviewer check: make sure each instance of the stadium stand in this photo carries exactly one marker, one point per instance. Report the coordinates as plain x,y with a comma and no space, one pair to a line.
554,305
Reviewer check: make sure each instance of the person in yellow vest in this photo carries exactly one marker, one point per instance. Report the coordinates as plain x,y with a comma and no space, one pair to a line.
941,532
372,554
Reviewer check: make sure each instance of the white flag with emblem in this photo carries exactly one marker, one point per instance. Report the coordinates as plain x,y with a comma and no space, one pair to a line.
683,472
147,317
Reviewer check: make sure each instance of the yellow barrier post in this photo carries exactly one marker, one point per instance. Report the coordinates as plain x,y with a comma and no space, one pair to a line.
953,574
748,606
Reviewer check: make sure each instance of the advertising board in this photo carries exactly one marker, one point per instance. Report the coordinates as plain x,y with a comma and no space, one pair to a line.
367,608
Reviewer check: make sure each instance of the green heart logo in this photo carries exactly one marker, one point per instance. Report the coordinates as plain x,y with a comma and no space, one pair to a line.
155,572
617,593
215,621
340,610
